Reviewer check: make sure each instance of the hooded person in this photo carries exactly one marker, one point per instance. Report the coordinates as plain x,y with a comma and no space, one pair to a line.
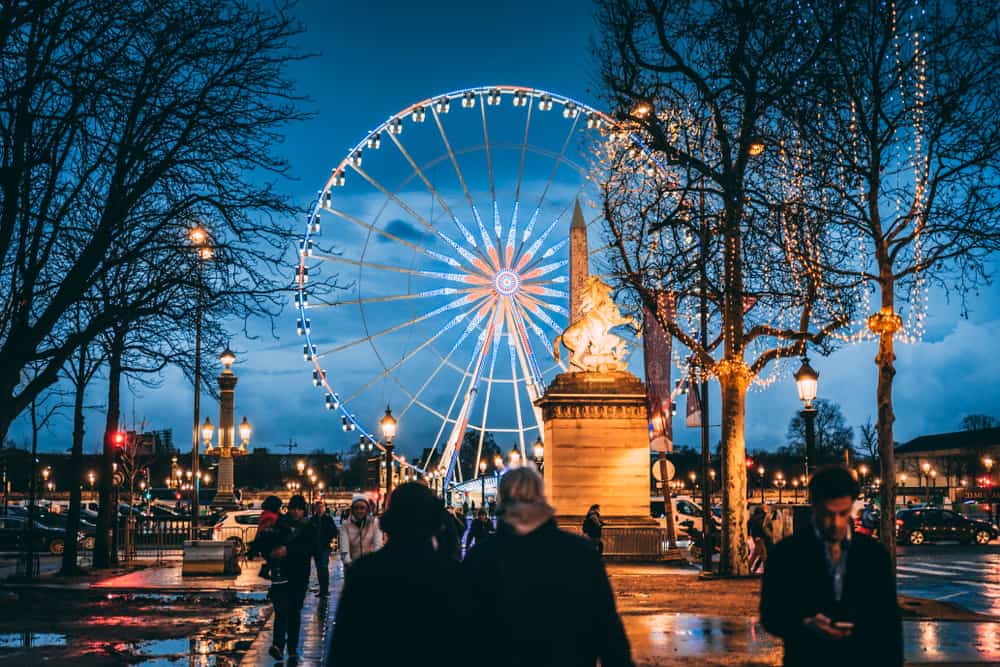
268,537
294,555
360,534
532,567
408,563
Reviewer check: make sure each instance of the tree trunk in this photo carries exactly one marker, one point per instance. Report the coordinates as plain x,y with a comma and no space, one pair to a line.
885,361
734,377
104,555
69,564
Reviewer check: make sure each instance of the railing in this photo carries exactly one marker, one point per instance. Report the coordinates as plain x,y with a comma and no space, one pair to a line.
153,538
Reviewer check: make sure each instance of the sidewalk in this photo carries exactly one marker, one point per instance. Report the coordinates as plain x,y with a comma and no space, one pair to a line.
317,625
674,618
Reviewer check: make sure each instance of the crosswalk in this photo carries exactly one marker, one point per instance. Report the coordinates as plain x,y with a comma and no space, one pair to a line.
953,570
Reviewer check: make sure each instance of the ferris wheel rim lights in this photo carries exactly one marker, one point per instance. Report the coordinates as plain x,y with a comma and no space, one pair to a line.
506,282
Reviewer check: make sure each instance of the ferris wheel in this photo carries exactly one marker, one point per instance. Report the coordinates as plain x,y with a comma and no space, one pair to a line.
449,225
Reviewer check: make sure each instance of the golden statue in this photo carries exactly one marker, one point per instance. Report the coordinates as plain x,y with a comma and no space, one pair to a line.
591,345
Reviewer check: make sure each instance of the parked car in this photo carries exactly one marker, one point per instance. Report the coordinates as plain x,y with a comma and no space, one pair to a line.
916,526
239,527
57,520
44,538
687,513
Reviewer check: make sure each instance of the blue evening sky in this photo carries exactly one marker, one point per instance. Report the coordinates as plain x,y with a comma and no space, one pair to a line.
375,58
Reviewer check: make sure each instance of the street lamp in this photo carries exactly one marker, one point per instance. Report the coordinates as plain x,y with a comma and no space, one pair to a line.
642,109
514,457
693,476
482,483
795,485
539,452
761,471
388,425
207,429
779,482
807,381
203,246
245,432
756,146
300,466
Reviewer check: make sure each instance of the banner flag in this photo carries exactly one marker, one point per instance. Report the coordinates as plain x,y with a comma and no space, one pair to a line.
656,345
693,417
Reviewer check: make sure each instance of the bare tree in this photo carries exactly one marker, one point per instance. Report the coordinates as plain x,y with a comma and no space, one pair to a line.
907,136
868,435
978,422
833,435
124,124
712,224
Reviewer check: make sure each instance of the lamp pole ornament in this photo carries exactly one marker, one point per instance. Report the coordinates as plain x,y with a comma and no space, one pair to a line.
807,381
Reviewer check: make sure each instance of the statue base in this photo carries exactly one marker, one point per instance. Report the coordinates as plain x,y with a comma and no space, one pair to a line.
597,452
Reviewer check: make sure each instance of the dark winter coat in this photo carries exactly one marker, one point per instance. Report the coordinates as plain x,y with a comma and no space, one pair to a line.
797,584
592,526
478,531
300,543
551,575
409,590
326,530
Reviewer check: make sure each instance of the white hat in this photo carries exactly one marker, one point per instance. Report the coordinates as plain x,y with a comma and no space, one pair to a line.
359,498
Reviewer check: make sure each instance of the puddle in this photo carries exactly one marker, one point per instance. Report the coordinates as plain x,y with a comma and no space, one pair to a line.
22,640
693,635
252,596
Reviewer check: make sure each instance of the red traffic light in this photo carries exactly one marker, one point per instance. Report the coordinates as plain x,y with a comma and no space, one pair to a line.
118,438
749,462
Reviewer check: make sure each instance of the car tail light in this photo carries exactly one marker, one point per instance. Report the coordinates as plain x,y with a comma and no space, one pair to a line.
899,522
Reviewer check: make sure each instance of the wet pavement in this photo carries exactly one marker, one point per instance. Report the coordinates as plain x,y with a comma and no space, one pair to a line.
965,575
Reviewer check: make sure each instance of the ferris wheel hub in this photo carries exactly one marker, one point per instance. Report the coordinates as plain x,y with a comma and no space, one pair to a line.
507,282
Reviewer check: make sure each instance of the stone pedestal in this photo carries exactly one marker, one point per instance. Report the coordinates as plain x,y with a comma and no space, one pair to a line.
224,497
597,451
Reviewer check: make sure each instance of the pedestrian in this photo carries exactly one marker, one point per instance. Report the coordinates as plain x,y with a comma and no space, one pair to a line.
448,536
326,532
830,593
774,527
531,568
493,507
593,527
757,536
472,506
377,590
480,529
267,538
465,507
360,534
289,595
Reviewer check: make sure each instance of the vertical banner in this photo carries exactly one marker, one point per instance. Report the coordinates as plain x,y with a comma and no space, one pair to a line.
656,345
693,416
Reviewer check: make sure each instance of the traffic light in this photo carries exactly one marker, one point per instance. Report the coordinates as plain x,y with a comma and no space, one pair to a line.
118,439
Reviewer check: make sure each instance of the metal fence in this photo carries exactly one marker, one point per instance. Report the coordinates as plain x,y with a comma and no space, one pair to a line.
153,538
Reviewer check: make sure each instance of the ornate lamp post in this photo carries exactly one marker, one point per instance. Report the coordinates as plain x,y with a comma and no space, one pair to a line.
91,478
539,453
795,485
779,482
202,243
482,483
388,424
761,471
514,457
807,381
227,449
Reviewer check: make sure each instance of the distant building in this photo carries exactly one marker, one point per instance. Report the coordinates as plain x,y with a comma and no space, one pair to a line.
945,462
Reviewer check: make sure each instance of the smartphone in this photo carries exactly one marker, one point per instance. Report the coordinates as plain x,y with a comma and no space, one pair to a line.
843,625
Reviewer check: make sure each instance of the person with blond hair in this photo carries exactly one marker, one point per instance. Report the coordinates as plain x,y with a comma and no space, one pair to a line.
533,567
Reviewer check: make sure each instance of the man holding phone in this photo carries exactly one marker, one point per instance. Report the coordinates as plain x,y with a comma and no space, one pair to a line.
829,593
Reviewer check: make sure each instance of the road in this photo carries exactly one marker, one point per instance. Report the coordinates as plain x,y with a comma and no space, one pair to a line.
964,575
46,564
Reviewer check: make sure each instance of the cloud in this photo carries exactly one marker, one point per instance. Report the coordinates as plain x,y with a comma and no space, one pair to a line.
407,232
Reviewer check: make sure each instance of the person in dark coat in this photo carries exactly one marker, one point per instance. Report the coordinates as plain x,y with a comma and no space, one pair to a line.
326,532
532,568
593,527
288,596
480,529
448,536
406,586
828,593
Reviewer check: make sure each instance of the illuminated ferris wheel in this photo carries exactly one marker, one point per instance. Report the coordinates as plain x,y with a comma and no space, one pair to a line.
449,222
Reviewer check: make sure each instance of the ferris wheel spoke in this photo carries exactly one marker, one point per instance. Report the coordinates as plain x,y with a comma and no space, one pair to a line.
529,367
544,270
457,303
512,352
466,278
409,355
537,330
446,418
469,238
543,316
416,216
525,257
450,261
489,382
512,231
443,291
538,290
553,307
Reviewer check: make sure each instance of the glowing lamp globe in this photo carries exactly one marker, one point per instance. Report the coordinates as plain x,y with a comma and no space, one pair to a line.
806,381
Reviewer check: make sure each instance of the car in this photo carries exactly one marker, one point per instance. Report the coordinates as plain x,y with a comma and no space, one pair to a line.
239,527
44,538
687,513
57,520
917,526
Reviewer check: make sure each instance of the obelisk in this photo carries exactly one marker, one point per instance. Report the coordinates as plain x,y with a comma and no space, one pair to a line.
578,262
